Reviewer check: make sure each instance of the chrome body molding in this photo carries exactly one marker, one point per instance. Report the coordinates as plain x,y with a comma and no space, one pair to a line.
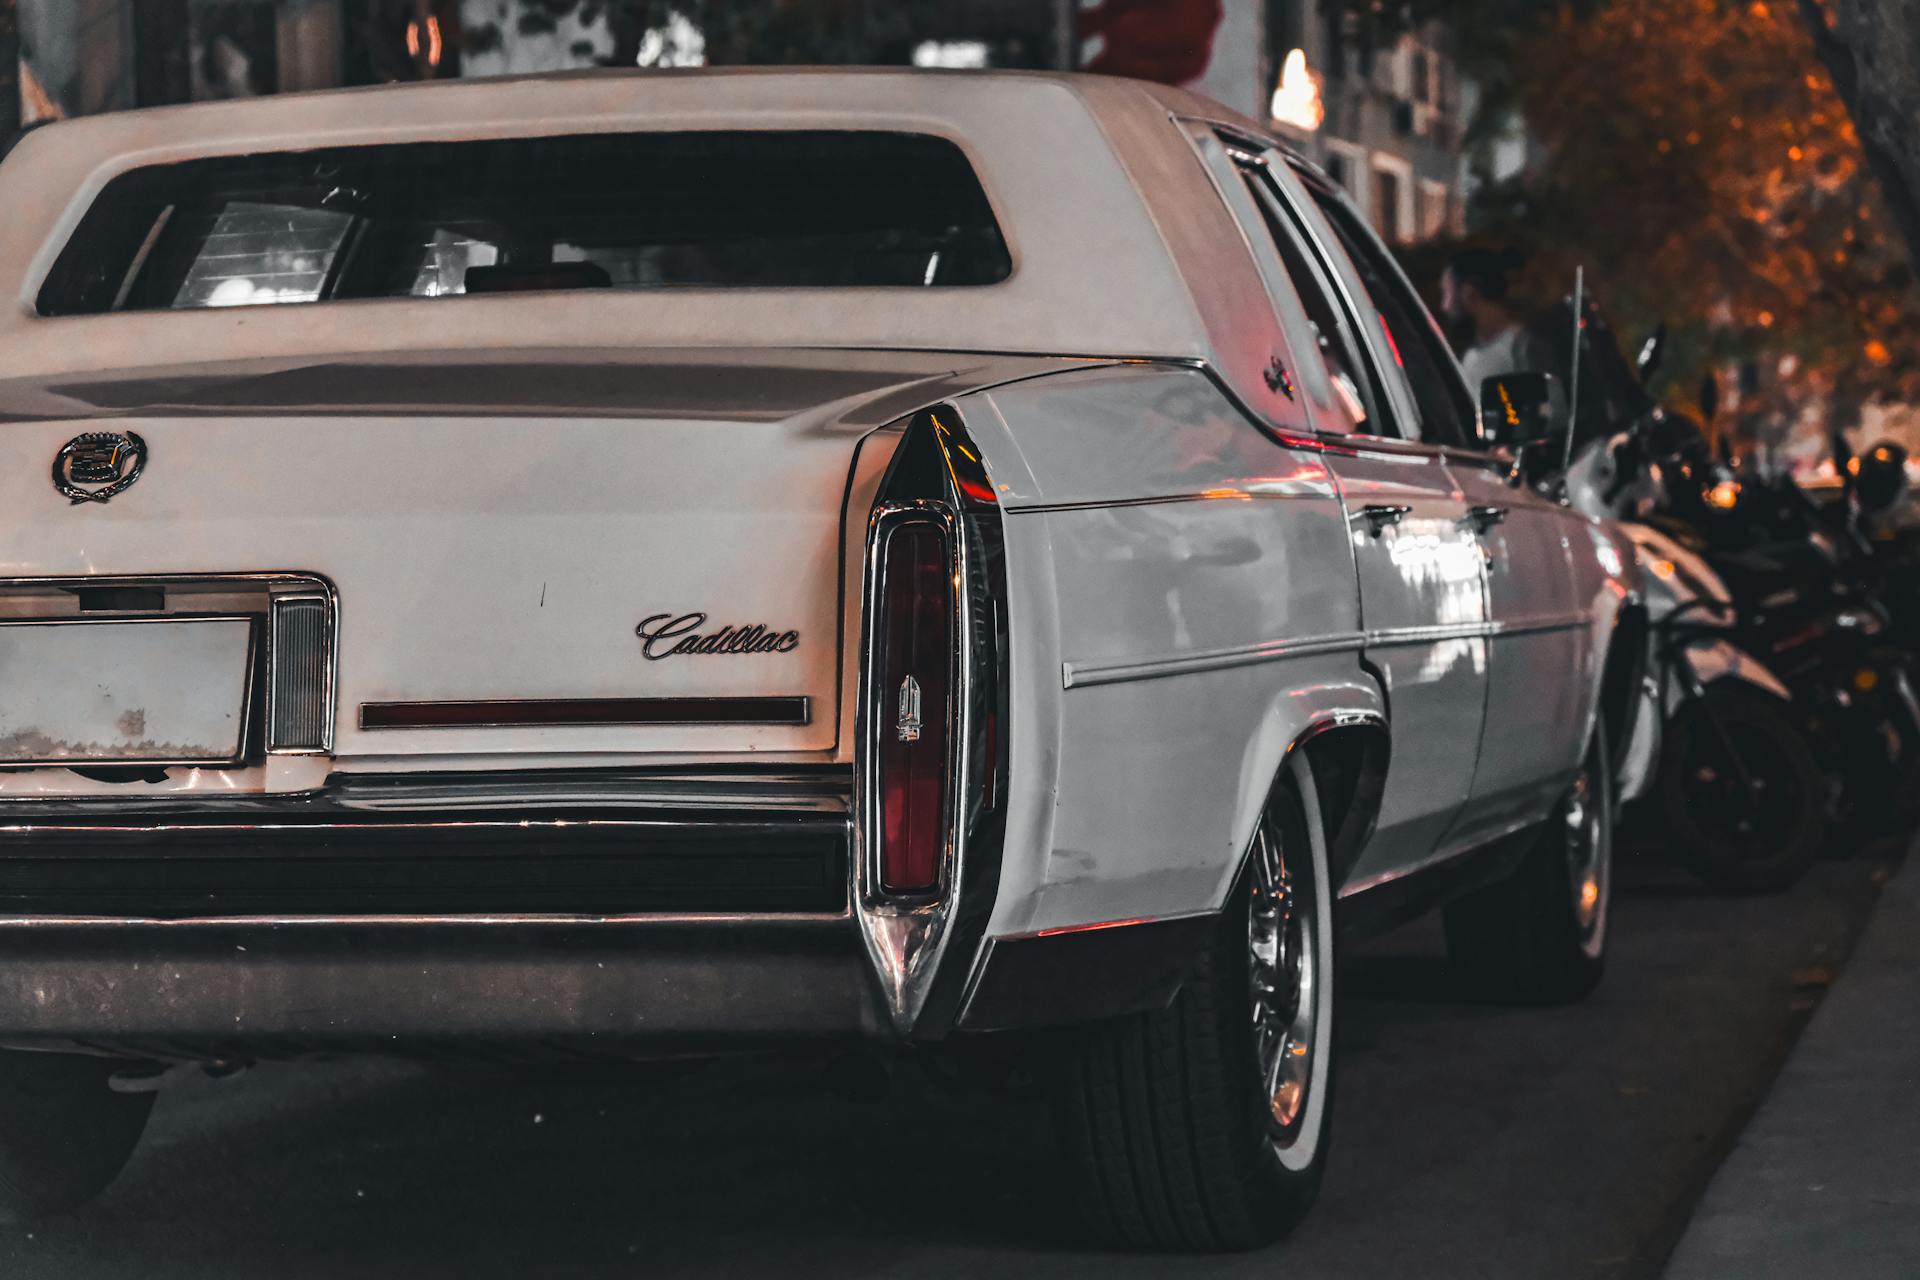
1225,494
1083,674
1395,637
631,922
563,863
668,791
1366,884
1543,622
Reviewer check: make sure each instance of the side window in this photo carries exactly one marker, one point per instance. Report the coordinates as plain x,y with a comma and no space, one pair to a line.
1447,411
1346,402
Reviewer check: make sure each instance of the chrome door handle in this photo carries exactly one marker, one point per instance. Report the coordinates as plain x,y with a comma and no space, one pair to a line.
1484,518
1379,515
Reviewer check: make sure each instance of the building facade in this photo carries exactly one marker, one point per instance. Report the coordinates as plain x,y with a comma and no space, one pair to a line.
1388,122
86,56
1393,126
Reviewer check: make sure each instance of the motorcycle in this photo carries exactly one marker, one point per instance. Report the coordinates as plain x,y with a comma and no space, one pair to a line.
1812,608
1719,763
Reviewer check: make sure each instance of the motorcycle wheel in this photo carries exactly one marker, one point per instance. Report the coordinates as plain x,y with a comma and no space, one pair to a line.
1762,842
1864,778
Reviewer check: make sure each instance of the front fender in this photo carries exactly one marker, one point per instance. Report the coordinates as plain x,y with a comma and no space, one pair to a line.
1721,660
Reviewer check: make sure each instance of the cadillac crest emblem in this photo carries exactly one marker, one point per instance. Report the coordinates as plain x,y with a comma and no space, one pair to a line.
106,459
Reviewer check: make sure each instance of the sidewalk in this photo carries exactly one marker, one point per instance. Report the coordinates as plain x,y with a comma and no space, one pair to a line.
1826,1179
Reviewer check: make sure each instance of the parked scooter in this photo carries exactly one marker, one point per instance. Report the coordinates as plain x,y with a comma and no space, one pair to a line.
1810,589
1727,774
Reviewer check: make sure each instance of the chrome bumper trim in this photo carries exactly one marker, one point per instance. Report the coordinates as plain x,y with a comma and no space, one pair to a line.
733,919
827,790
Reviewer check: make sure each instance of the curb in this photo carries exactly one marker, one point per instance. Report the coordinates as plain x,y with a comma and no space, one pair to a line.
1825,1179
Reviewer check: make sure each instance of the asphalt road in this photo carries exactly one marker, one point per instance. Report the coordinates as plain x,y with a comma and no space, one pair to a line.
1468,1141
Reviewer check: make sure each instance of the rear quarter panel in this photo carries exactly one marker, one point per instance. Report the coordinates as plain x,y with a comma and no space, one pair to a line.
1184,608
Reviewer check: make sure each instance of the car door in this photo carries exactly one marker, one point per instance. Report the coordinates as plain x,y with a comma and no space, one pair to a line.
1538,641
1539,650
1422,593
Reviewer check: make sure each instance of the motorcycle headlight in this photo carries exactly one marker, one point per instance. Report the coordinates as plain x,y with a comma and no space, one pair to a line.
1864,622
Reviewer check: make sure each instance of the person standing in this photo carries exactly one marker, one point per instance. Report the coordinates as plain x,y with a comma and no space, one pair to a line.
1476,299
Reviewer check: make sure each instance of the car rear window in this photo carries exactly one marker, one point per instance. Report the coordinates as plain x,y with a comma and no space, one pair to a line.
623,211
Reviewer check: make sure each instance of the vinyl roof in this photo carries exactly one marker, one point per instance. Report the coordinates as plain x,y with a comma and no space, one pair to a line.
1121,246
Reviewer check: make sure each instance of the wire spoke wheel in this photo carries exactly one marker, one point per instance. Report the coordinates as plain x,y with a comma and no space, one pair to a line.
1588,867
1284,974
1740,795
1204,1124
1540,935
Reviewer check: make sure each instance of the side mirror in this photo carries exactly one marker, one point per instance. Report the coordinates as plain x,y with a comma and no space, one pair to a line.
1520,409
1652,351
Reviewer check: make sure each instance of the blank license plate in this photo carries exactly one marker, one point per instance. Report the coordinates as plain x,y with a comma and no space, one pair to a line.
164,691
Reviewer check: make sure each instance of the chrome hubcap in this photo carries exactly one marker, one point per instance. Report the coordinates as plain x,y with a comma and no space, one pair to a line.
1587,864
1284,966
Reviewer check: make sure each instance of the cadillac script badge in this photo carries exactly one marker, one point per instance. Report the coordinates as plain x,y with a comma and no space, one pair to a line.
97,465
664,635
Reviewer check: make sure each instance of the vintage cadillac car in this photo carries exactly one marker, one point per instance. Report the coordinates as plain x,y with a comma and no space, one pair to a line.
659,564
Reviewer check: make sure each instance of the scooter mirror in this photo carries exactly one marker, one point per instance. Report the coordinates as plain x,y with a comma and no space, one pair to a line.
1522,408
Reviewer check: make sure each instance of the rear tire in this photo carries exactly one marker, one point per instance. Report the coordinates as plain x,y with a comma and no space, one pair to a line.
1768,845
1540,936
1203,1126
64,1135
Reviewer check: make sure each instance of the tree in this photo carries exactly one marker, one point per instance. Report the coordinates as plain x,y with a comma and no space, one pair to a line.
1701,162
1872,50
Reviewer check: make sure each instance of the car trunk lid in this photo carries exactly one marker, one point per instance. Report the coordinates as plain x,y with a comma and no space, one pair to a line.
579,555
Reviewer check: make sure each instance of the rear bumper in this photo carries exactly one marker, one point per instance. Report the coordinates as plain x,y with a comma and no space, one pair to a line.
632,915
209,990
578,914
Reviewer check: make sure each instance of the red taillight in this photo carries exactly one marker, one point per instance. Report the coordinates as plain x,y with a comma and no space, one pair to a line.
912,709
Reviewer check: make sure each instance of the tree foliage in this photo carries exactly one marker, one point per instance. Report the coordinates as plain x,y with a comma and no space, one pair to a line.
1698,160
1872,48
1700,157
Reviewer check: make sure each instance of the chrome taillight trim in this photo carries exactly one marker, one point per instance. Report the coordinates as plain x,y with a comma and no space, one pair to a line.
926,953
872,718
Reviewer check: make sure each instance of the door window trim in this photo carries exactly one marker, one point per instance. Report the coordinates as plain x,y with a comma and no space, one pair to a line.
1405,411
1250,163
1469,404
1381,423
1254,159
1388,405
1247,156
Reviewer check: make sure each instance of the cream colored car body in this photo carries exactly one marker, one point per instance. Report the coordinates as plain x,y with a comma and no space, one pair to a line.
498,490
